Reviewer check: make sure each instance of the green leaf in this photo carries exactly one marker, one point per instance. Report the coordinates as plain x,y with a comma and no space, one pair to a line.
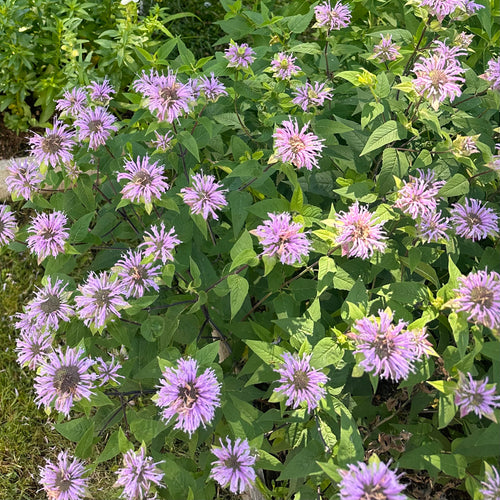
244,243
446,409
79,229
460,329
268,462
189,142
84,192
207,354
359,191
84,447
146,429
350,446
370,111
303,463
388,132
482,443
269,353
297,201
325,353
152,328
456,186
110,450
238,292
306,47
74,429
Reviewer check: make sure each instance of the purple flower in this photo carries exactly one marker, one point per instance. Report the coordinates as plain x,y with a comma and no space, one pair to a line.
494,164
359,234
280,236
137,475
204,196
283,66
299,148
465,145
63,480
308,95
100,298
147,181
463,40
372,481
441,8
472,395
333,18
65,379
418,197
55,146
446,52
166,96
421,345
159,243
95,125
195,85
438,78
24,177
48,234
162,141
388,349
474,221
107,372
235,465
136,278
50,305
432,227
479,296
32,347
491,485
386,50
193,398
101,93
73,102
7,225
492,74
239,56
299,382
212,87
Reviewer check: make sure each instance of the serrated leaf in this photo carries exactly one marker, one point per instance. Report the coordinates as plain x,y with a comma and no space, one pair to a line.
325,353
269,353
189,142
387,132
458,185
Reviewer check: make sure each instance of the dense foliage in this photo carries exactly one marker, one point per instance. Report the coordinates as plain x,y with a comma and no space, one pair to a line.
277,268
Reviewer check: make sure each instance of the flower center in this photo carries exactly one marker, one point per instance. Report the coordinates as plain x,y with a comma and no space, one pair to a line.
482,296
95,125
189,394
101,297
383,345
438,78
62,483
361,231
373,492
66,379
232,462
137,273
47,234
473,221
169,93
51,144
296,144
50,304
300,380
142,178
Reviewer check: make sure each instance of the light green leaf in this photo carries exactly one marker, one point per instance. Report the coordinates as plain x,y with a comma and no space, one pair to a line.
388,132
238,292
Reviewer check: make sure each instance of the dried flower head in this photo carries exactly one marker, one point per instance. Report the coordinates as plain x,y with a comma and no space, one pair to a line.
473,220
64,379
473,395
48,234
138,474
234,466
479,296
370,482
300,382
297,147
204,196
189,396
359,233
64,479
281,237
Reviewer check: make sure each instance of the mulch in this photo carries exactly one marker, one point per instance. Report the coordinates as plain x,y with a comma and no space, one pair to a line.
12,143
